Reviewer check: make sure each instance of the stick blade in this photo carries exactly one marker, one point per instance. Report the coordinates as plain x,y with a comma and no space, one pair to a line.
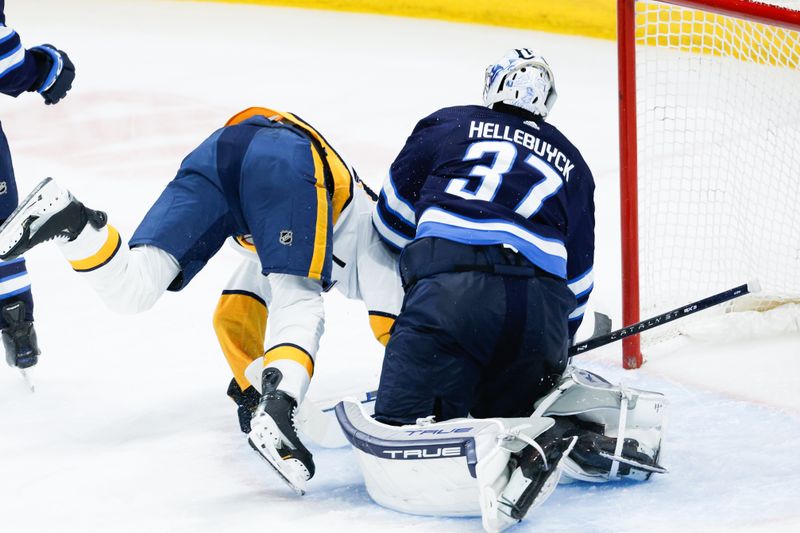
753,286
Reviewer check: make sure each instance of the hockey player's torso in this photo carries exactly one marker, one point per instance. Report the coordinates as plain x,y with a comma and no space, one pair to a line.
497,178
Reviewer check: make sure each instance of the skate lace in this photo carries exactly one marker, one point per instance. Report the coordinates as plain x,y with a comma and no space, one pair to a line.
293,418
59,237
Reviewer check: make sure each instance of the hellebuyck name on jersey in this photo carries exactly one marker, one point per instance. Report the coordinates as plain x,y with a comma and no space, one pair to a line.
479,176
554,156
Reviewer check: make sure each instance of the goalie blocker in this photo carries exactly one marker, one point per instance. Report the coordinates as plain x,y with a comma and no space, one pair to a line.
502,468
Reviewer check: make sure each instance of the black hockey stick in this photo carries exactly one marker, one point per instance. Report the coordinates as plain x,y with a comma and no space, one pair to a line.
314,422
659,320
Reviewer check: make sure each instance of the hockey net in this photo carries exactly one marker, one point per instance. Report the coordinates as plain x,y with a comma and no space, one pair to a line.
714,172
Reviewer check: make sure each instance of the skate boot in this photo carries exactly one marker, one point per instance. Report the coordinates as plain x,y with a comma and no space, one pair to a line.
274,437
19,337
48,212
596,454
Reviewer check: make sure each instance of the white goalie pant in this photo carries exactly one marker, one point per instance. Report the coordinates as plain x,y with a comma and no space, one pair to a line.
130,280
622,412
454,468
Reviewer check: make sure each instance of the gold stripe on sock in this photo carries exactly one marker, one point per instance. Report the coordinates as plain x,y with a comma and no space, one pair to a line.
292,353
103,255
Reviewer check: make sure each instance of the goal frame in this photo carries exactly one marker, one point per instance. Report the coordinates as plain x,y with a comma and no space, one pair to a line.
629,216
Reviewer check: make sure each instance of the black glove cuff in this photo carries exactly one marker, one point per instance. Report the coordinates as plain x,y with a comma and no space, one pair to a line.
44,64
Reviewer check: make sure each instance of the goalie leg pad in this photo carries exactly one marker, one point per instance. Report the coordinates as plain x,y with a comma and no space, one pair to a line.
493,468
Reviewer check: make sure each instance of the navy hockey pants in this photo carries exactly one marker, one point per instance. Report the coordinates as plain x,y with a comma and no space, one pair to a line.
256,178
482,332
14,281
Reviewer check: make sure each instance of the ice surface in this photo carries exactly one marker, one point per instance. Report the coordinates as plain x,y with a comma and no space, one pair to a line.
130,429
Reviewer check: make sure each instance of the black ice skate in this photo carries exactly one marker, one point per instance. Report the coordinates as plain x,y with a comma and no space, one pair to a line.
274,437
48,212
596,453
534,478
19,337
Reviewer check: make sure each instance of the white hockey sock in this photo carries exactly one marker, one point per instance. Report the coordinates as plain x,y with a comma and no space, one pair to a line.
296,373
295,377
128,281
92,248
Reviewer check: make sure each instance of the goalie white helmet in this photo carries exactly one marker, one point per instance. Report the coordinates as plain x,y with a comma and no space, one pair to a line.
522,78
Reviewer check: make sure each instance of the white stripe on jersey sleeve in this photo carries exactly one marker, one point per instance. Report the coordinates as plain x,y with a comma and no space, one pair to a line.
389,234
397,204
5,32
14,284
582,283
12,60
578,312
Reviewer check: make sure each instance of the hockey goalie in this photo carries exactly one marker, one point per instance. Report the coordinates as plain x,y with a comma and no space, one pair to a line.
477,411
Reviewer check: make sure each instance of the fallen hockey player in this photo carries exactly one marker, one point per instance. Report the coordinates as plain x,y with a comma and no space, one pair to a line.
271,181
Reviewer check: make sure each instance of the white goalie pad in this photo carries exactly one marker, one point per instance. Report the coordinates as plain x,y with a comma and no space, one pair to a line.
316,420
622,412
443,468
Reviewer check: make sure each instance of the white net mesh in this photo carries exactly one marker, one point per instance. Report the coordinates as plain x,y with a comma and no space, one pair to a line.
718,107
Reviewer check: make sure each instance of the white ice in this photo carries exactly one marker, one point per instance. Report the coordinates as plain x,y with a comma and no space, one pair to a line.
130,428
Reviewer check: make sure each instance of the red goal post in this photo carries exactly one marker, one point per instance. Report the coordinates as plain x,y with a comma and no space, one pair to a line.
630,155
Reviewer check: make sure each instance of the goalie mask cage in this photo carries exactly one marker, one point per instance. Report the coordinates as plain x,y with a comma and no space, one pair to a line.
709,154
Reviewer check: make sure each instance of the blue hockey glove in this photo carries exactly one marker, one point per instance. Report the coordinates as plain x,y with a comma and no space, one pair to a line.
56,73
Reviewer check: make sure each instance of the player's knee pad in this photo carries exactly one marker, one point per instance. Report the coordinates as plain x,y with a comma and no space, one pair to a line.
461,467
620,429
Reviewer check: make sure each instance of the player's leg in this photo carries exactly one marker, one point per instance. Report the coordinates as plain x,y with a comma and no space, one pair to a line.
531,354
285,206
240,322
185,226
458,312
467,323
437,350
16,299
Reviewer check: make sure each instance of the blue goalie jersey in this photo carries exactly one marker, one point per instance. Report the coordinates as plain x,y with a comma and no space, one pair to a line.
478,176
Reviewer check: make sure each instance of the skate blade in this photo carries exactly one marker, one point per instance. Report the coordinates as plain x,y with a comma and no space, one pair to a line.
27,377
291,476
653,469
9,240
